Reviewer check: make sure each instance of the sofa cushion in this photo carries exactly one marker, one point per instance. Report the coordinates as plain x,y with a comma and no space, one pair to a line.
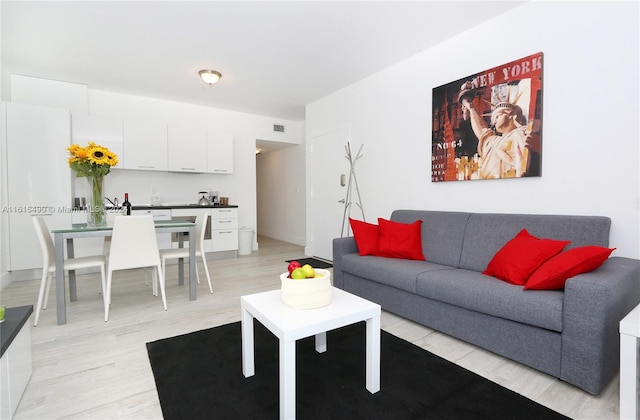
488,295
521,256
366,236
398,273
442,233
486,233
400,240
556,271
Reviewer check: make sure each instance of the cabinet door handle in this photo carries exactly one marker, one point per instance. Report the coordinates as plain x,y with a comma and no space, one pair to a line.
146,166
188,169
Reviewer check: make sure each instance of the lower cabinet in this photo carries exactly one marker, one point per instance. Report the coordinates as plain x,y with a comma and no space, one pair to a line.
221,233
224,229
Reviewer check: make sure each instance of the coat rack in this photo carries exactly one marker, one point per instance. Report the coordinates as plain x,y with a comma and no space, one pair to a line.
352,181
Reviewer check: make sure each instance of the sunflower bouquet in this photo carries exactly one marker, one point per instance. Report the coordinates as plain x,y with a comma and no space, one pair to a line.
93,162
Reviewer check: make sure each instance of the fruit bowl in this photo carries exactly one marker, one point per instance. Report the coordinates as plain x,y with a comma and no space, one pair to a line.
308,293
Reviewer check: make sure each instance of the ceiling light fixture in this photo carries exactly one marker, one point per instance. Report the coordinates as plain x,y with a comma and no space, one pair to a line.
210,76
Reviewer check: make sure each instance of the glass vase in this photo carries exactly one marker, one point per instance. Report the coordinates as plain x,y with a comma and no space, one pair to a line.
96,214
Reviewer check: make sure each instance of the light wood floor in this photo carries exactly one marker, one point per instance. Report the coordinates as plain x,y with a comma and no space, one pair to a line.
89,369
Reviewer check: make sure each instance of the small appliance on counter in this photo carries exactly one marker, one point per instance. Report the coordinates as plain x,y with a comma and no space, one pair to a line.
214,198
204,201
80,203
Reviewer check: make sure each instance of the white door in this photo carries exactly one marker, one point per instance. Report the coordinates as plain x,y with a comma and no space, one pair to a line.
329,180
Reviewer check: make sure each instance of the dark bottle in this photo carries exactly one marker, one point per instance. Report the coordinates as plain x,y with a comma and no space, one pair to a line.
126,205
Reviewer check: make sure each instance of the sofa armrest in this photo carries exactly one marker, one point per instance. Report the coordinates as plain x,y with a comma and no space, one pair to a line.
341,246
594,304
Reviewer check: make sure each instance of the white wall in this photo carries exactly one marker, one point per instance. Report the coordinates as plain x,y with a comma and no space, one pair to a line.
590,119
281,194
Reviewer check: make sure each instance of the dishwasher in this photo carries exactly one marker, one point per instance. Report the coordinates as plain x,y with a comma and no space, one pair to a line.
164,239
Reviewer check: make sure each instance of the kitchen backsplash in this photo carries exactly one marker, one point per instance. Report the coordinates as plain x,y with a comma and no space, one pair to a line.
171,188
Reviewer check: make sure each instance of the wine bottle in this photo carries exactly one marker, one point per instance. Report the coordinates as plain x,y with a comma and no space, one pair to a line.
126,205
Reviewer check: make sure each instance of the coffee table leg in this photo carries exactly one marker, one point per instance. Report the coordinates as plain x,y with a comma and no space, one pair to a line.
287,379
321,342
248,362
373,354
628,376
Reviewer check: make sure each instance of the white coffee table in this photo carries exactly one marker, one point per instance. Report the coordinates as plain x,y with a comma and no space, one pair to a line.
629,336
290,325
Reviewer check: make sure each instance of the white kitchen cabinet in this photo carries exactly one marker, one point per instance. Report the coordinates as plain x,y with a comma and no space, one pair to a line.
187,149
221,233
219,151
38,177
224,229
145,146
104,131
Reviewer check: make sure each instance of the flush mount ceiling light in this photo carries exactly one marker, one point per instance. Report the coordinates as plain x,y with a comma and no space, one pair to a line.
210,76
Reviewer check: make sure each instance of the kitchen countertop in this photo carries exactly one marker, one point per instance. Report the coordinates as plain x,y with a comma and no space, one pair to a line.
180,206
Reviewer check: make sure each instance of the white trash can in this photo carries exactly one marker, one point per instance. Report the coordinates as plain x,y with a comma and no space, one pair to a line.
245,241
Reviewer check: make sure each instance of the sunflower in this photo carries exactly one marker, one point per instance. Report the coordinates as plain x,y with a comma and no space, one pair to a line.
112,159
98,155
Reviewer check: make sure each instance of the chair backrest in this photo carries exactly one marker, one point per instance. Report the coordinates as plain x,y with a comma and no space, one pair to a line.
201,226
134,243
46,243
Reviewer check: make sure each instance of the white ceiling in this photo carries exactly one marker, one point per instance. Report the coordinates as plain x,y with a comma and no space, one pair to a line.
275,57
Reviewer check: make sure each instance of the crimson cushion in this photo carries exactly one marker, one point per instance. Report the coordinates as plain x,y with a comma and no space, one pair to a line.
521,256
366,236
554,273
400,240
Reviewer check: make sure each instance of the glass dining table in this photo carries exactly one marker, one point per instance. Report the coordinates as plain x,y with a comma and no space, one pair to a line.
67,233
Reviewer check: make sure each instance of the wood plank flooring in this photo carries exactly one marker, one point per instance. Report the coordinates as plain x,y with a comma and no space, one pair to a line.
89,369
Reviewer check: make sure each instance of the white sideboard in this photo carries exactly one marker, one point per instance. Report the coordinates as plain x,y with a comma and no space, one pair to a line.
15,363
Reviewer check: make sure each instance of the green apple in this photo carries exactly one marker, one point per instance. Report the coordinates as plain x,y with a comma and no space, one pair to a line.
298,274
309,271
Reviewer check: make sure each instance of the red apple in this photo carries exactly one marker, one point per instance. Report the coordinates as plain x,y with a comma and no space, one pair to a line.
292,266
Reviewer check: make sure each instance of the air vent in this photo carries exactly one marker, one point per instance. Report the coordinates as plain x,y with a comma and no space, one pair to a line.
278,128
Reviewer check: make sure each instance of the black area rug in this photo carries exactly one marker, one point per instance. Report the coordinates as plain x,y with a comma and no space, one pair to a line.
313,262
199,376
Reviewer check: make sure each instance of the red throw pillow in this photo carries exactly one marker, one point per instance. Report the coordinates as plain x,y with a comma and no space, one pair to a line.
400,240
521,256
366,236
554,273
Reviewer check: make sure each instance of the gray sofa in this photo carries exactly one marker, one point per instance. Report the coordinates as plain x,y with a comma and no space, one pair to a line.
571,334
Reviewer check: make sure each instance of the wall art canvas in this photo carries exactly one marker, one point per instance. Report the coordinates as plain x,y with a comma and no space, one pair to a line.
489,125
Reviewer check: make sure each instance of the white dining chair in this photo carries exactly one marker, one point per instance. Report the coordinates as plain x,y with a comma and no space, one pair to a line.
133,245
106,245
166,254
49,264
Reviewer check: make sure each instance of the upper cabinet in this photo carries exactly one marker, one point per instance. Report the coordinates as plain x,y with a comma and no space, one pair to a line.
145,146
219,151
104,131
187,149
